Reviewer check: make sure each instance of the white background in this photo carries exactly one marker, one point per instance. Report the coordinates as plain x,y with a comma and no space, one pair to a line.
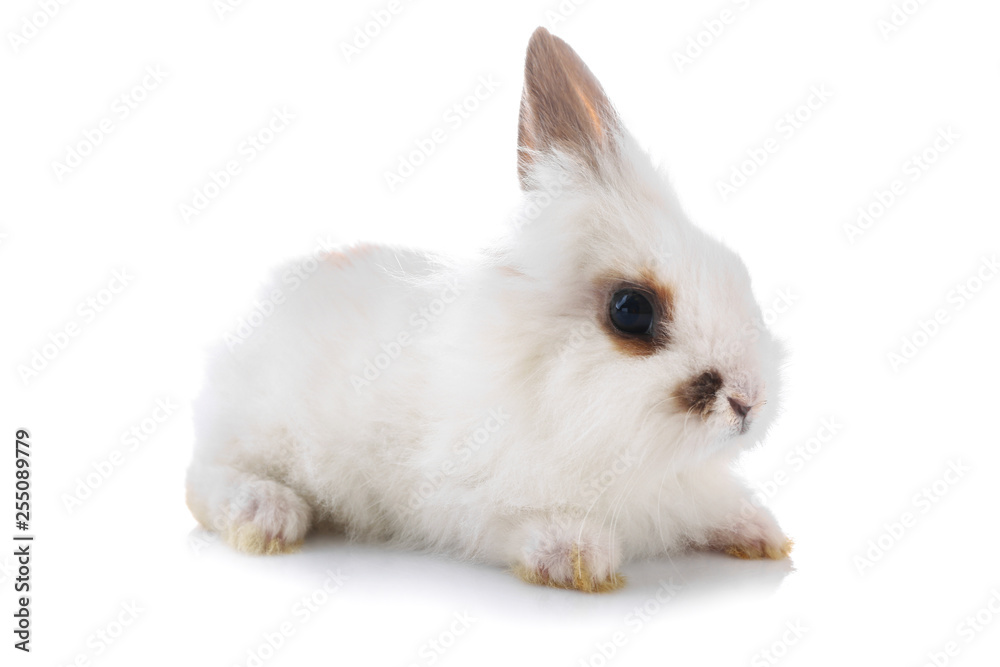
900,425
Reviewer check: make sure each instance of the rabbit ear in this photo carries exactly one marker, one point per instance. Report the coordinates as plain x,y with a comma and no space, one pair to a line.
562,106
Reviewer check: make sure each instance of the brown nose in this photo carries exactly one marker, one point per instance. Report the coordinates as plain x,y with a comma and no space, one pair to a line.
740,408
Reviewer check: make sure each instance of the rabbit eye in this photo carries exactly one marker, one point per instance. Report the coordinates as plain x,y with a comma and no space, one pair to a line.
632,312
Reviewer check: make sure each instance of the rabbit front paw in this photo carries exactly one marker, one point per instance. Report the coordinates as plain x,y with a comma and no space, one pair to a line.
573,563
755,537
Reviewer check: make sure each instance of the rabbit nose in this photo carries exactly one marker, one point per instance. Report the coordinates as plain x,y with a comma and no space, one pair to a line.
739,407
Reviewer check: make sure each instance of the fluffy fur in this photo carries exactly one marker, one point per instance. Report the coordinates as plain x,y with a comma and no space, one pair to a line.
485,409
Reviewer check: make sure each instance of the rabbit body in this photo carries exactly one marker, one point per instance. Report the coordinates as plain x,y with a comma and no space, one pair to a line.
495,409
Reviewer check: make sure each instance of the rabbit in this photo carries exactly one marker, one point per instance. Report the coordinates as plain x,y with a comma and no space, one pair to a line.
573,397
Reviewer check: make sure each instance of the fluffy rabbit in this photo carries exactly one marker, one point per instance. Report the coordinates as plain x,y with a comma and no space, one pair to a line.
574,398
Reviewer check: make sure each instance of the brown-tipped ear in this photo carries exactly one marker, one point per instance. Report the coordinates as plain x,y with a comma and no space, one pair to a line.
562,105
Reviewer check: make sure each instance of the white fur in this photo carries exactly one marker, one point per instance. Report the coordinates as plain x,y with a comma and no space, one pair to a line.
592,450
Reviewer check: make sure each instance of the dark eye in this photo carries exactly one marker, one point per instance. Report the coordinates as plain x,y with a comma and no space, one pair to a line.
632,312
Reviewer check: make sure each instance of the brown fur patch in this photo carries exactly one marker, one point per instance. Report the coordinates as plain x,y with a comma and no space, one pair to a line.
562,104
699,393
662,298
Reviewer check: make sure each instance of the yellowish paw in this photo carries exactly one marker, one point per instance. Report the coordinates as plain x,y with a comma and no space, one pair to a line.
250,539
760,550
577,575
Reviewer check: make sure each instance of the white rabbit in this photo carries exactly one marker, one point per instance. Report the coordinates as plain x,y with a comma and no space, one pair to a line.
574,398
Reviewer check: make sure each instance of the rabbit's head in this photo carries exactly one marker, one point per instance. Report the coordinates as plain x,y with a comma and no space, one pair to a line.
643,328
